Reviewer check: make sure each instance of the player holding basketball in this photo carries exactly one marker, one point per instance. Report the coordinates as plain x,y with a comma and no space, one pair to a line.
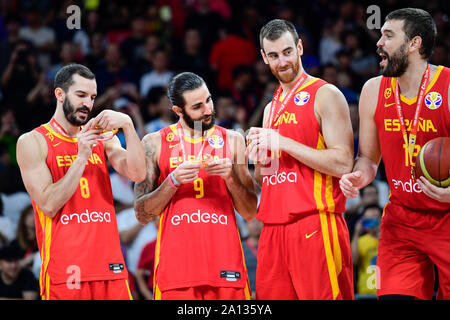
304,247
63,166
399,112
196,175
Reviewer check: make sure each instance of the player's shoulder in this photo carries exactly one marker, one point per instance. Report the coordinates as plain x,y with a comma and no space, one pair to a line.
31,137
153,138
372,86
31,145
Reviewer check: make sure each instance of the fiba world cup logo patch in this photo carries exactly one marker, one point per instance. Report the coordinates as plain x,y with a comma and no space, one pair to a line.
215,141
301,98
433,100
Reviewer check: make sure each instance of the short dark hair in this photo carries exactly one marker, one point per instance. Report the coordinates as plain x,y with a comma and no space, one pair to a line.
182,82
64,79
372,206
275,29
417,22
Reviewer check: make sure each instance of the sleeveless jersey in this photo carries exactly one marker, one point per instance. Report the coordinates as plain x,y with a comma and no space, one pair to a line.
198,241
81,241
434,121
294,188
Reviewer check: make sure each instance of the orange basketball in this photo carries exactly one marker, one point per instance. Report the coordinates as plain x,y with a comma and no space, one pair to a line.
433,162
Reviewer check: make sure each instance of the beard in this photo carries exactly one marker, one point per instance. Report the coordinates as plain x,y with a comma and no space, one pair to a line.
200,123
70,113
287,77
396,64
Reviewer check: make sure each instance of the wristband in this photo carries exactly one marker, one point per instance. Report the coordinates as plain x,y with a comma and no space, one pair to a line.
173,182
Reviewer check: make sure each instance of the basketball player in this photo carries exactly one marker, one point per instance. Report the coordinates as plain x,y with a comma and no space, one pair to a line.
63,166
399,112
196,175
304,249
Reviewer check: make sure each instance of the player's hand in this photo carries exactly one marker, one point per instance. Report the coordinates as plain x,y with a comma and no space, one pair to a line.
220,167
350,184
257,145
437,193
110,120
187,171
87,139
263,138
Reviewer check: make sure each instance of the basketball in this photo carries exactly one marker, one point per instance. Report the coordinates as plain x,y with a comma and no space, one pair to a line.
433,162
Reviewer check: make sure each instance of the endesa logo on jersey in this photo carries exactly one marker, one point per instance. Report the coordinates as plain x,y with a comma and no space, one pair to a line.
199,217
408,186
86,217
279,178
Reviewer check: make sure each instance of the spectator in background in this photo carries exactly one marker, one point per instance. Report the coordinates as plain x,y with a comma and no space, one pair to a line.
192,57
242,89
133,47
20,76
94,57
229,52
10,179
365,249
6,228
15,282
226,111
41,101
159,110
25,241
83,36
441,55
250,248
115,72
330,42
363,63
331,74
133,238
67,55
209,23
12,24
144,63
368,197
159,76
146,267
42,37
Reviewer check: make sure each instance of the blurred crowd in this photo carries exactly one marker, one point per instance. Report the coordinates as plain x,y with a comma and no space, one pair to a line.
134,50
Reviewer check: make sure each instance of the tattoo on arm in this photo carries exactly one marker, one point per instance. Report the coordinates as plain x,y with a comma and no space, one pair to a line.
144,188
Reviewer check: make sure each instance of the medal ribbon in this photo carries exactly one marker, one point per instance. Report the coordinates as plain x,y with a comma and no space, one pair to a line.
58,128
276,97
183,149
411,142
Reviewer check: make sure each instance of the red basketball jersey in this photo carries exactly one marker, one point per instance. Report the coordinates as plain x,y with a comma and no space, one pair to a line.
81,242
198,241
434,121
295,188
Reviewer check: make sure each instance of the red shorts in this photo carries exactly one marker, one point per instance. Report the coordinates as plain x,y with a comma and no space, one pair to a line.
309,258
411,243
205,293
89,290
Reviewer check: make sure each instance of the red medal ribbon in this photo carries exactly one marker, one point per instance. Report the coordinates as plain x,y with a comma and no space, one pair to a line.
411,142
276,97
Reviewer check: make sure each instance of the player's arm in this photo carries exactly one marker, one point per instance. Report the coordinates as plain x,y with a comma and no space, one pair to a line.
150,199
333,115
369,154
129,162
51,196
236,176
